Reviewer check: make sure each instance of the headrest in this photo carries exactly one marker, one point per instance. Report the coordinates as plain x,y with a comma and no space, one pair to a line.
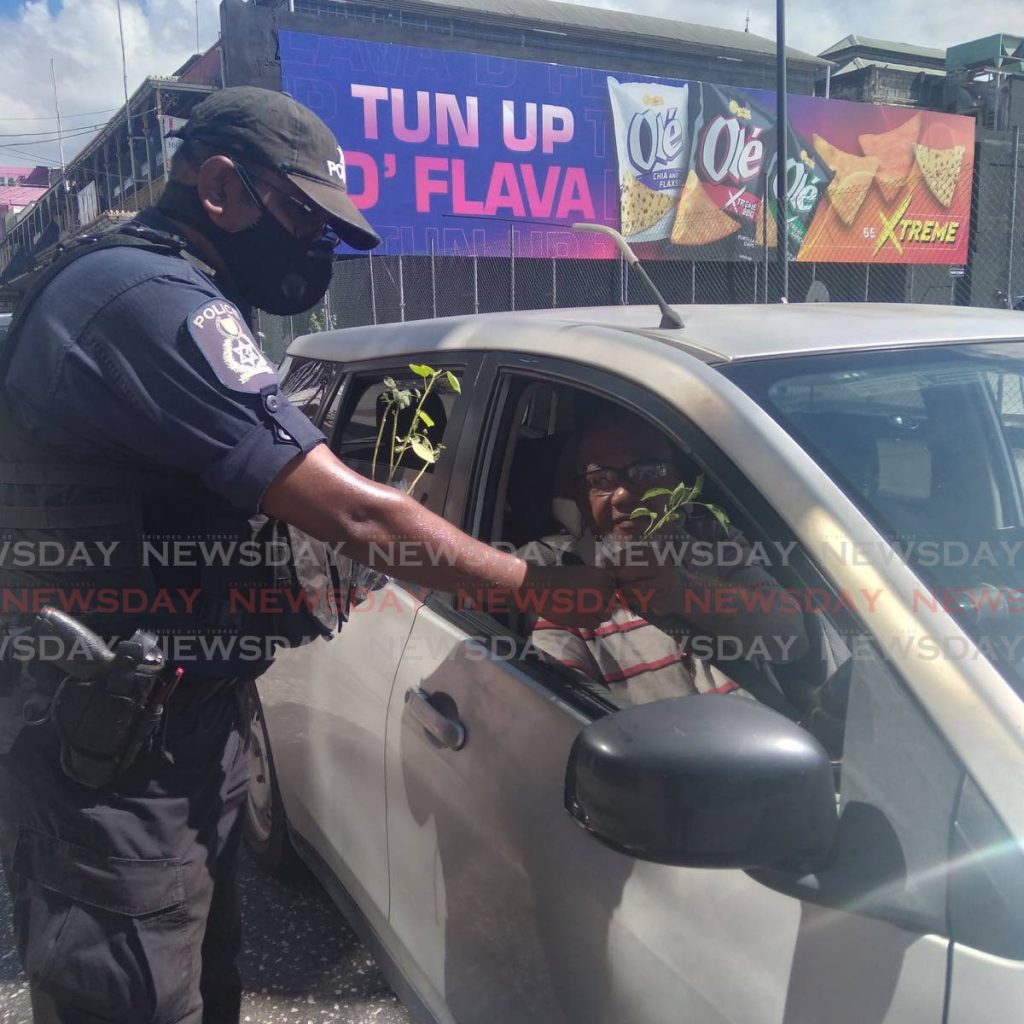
541,493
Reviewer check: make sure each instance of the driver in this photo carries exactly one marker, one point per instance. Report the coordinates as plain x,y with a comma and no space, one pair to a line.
659,646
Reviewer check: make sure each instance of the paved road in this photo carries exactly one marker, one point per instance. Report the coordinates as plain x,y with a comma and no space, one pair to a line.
301,963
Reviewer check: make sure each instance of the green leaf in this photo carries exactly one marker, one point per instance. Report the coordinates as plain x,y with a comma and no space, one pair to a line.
671,517
422,447
655,492
722,518
680,494
453,382
423,416
641,513
420,370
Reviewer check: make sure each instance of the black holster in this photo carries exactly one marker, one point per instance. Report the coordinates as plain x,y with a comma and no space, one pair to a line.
110,704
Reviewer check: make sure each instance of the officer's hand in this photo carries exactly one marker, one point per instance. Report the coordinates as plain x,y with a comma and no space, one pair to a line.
577,596
653,589
653,582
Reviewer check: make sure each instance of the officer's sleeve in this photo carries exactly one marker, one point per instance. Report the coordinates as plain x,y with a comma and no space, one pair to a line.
168,371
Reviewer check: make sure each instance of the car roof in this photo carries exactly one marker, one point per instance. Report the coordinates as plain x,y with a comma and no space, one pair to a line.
712,333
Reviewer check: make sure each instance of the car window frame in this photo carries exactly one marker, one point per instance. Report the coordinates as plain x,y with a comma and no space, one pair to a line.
346,395
481,439
292,363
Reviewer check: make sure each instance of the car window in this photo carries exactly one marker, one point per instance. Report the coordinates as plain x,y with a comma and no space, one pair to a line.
896,779
391,412
309,384
746,630
929,443
1008,394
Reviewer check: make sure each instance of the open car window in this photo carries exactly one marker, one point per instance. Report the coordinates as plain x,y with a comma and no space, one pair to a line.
747,629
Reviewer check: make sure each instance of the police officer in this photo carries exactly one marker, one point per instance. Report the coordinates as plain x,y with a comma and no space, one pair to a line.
136,409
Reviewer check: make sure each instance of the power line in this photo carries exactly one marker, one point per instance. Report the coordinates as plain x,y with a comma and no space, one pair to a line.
50,131
43,142
50,117
74,128
44,161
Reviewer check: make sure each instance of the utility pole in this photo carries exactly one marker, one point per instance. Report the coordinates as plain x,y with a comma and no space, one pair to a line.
127,112
60,136
60,146
781,132
197,26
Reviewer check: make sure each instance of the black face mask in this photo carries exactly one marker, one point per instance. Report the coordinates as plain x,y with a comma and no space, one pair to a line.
269,267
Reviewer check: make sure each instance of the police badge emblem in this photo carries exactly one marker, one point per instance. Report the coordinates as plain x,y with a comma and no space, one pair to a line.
222,336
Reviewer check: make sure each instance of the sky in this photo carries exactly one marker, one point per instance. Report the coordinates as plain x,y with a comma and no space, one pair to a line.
81,37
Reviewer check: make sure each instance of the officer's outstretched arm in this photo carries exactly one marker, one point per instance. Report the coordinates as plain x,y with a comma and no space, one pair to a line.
388,530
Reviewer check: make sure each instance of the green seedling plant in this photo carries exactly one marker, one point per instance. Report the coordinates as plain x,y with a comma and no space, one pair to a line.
417,439
679,497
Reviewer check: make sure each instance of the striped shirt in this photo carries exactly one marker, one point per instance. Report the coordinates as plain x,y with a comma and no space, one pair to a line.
634,659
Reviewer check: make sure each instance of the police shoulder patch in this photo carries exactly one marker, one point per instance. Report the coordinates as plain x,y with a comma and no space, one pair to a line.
221,335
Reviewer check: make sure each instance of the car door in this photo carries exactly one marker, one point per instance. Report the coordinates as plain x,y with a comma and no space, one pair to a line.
509,911
325,703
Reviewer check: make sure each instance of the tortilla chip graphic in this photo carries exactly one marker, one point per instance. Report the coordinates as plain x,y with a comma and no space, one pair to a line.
772,228
853,177
941,170
895,152
698,220
642,207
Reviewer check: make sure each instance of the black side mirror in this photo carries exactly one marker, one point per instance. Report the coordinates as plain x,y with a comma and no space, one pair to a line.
710,781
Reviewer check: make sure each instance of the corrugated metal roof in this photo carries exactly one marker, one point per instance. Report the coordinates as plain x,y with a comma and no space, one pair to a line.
903,49
859,63
607,19
19,195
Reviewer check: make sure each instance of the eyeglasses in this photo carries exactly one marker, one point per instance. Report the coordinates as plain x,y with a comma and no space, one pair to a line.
305,214
639,476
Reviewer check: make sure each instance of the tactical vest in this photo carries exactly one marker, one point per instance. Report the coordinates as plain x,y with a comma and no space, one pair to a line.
126,547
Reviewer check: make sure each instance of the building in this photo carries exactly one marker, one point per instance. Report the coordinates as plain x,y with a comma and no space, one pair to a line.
20,187
879,71
986,78
120,170
542,30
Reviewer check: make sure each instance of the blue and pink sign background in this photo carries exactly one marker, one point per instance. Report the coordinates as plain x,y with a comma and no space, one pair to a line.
449,150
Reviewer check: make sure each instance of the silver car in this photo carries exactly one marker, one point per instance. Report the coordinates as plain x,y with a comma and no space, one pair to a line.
517,843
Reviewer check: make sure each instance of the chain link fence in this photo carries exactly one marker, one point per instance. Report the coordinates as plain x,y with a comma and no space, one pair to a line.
384,289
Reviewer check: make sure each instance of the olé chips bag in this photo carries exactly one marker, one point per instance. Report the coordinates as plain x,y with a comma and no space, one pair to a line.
652,141
735,139
807,181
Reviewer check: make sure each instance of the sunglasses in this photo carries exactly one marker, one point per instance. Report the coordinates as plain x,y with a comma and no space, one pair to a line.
305,213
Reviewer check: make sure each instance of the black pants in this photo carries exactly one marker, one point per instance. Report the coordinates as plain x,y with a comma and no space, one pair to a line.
125,901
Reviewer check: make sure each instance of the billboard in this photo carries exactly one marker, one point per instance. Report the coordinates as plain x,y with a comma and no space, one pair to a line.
464,152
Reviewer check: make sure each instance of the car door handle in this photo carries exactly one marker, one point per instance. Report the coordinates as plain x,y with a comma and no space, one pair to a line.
449,732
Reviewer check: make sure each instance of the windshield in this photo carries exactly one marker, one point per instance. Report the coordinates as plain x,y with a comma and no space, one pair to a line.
930,444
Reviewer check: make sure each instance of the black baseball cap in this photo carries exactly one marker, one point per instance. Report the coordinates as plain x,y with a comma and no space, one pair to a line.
272,129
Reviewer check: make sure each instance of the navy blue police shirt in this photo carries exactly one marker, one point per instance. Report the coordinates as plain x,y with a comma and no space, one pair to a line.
139,356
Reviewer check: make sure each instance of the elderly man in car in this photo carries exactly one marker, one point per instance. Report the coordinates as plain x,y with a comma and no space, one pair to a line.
687,617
